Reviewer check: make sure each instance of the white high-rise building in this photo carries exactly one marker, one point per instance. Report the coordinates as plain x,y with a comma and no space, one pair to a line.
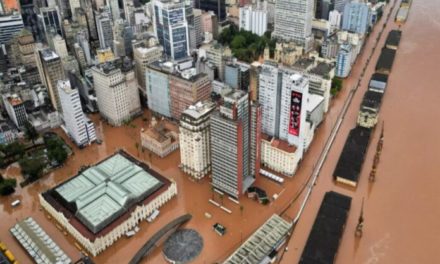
254,20
334,18
105,29
59,45
195,145
269,98
77,125
293,21
114,8
294,96
74,4
10,25
116,91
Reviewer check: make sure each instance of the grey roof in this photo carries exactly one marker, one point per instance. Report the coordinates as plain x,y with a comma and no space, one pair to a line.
103,192
262,242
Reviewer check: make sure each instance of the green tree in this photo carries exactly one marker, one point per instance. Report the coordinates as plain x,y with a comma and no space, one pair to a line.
32,167
15,149
56,150
238,42
7,186
30,132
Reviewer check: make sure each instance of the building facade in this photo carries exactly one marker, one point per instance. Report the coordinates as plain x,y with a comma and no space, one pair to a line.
116,91
51,71
104,29
142,57
78,127
10,25
158,87
16,111
159,138
270,80
188,88
218,7
344,61
293,21
171,28
232,143
195,144
356,17
253,20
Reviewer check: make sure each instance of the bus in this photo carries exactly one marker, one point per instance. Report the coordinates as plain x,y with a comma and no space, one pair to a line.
153,216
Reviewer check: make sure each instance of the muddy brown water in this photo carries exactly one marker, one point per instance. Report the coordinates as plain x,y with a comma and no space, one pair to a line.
401,207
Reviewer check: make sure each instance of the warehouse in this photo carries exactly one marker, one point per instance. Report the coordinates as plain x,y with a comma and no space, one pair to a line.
103,202
369,111
352,157
323,242
378,82
385,61
393,39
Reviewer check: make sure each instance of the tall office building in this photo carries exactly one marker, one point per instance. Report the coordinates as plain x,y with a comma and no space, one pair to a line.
171,28
59,46
74,4
78,127
49,23
233,140
16,110
339,5
237,75
123,36
270,80
116,91
187,88
144,55
195,144
282,97
114,9
293,112
158,87
10,25
356,17
51,70
254,20
334,18
293,21
343,60
104,29
216,6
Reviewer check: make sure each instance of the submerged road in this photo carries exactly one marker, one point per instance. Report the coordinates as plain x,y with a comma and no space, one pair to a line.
402,205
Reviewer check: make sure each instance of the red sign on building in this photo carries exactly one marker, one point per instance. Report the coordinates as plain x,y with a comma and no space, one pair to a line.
295,113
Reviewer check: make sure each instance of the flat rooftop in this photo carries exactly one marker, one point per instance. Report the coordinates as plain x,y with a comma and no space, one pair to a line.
105,194
352,157
262,242
325,236
393,38
372,100
386,59
279,144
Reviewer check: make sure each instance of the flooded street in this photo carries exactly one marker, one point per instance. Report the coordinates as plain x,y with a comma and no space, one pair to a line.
402,207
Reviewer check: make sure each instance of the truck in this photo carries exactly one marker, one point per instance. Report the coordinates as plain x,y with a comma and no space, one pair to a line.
153,216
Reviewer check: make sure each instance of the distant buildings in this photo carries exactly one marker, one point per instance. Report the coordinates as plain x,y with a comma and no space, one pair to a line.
158,87
218,7
116,91
16,110
10,25
187,88
335,19
51,70
237,75
235,143
253,20
143,56
159,138
171,28
105,30
356,17
49,23
293,21
194,136
78,127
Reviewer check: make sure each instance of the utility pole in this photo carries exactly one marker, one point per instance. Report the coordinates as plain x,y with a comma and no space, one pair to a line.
360,225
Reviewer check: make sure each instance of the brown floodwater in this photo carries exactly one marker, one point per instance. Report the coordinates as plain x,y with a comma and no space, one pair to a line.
402,208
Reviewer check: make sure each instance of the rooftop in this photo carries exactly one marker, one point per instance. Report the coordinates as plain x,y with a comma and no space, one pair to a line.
372,100
14,100
304,63
379,77
48,54
198,110
101,194
393,38
352,157
325,236
279,144
322,69
386,59
262,242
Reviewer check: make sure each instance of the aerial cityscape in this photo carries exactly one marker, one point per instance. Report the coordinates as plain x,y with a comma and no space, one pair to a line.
219,131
